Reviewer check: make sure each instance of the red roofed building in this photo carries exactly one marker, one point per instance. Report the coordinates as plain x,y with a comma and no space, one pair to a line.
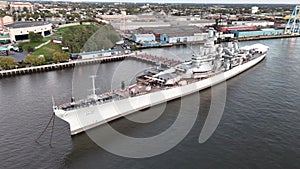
238,28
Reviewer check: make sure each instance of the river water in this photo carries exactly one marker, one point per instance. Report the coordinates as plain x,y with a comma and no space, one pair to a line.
259,127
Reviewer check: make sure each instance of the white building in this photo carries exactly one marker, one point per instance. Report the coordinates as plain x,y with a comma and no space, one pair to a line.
186,34
143,37
20,30
253,23
254,9
95,54
197,37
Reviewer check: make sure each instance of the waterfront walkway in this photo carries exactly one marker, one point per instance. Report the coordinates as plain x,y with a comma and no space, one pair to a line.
157,60
58,66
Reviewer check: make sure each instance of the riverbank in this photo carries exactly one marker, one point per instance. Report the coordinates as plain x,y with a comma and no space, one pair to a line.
222,41
58,66
266,37
140,57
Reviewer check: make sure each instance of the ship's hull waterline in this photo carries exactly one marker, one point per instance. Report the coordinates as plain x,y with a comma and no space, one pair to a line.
89,117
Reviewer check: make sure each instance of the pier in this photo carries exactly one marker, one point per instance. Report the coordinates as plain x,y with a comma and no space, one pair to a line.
267,37
155,60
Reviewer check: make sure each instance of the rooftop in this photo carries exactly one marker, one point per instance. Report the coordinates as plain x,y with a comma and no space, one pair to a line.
26,24
143,35
175,31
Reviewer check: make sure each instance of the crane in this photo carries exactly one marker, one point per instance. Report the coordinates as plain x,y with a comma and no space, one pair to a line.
293,24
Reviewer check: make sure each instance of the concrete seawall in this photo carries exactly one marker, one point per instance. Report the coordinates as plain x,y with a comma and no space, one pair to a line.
58,66
36,69
266,37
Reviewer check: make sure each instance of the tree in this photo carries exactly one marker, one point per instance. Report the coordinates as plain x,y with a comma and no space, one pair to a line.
7,62
30,49
75,37
59,57
104,38
35,60
25,9
34,37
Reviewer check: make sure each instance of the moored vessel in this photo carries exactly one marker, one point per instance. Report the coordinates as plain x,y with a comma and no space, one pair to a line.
214,64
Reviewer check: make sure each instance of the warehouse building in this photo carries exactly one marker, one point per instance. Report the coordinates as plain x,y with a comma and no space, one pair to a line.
253,23
136,25
262,32
184,34
143,37
178,34
20,30
94,54
237,28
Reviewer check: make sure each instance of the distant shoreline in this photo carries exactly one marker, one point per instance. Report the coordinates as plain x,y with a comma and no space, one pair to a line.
59,66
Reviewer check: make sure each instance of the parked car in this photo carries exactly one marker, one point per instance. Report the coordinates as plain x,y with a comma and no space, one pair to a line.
15,48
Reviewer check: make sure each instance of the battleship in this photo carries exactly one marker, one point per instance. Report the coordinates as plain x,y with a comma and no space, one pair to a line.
215,63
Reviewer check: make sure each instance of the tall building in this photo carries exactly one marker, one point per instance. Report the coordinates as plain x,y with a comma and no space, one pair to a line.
20,6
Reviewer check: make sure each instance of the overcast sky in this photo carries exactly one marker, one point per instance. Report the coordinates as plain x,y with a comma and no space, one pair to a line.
207,1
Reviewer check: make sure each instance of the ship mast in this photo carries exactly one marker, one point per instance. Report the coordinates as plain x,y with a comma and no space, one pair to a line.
94,88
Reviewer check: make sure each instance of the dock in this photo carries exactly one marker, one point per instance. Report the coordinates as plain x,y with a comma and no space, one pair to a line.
156,60
266,37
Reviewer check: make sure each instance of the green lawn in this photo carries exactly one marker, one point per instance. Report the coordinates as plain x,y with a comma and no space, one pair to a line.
58,34
48,50
25,45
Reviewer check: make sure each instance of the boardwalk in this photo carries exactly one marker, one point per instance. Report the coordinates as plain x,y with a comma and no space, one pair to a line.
156,60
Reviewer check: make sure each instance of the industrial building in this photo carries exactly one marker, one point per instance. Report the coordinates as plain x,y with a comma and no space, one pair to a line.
20,30
202,23
262,32
95,54
143,37
237,28
136,25
178,34
129,18
253,23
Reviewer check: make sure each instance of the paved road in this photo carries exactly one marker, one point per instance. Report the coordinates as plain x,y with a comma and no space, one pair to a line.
19,56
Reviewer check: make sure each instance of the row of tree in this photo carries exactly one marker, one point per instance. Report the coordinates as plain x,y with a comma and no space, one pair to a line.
40,60
7,62
85,38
